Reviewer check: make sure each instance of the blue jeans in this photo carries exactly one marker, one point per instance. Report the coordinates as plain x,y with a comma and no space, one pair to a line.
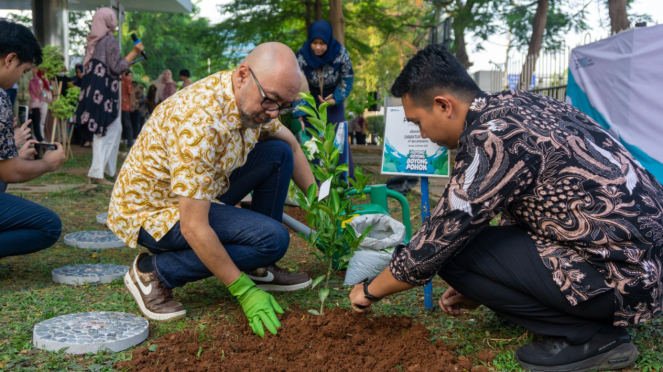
26,227
253,239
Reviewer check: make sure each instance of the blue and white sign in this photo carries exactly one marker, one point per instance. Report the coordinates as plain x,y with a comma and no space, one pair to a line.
406,153
512,81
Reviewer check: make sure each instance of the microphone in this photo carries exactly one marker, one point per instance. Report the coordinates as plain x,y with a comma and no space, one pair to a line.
136,41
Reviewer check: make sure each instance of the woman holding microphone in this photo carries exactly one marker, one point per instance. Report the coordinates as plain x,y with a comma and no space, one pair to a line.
99,102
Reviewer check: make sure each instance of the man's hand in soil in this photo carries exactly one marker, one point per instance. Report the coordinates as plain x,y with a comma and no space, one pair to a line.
359,303
382,286
452,302
259,306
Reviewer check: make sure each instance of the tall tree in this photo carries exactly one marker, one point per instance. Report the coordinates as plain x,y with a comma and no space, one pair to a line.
542,27
538,27
470,16
174,41
79,28
336,20
618,17
374,31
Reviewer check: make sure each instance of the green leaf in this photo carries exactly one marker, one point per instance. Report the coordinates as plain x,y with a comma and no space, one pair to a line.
341,168
310,193
336,200
323,294
310,218
307,110
314,312
326,210
322,110
345,203
302,203
308,98
317,124
317,281
314,133
153,347
334,156
329,146
319,173
200,351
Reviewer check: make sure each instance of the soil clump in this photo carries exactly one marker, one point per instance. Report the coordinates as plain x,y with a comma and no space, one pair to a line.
338,341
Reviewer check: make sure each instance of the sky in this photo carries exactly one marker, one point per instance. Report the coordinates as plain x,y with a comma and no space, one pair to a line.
495,47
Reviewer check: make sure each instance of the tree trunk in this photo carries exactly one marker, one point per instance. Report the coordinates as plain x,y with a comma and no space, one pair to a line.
458,25
538,27
461,51
618,18
318,10
337,20
309,14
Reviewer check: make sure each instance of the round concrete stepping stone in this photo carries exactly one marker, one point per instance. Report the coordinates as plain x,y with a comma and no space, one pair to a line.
90,332
88,274
93,240
102,218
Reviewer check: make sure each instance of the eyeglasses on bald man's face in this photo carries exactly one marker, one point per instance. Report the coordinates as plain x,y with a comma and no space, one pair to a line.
269,104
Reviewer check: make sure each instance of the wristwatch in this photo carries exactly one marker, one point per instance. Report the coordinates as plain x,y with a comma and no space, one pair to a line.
368,295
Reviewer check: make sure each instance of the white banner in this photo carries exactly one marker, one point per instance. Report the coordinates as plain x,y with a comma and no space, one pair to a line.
618,81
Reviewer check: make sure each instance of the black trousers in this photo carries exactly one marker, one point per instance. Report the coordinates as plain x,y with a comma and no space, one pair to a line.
137,121
127,127
501,269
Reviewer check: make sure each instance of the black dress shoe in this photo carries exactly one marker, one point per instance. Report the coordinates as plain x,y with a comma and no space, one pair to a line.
605,351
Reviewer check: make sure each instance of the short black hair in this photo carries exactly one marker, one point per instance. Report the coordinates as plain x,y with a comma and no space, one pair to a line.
185,72
431,71
16,38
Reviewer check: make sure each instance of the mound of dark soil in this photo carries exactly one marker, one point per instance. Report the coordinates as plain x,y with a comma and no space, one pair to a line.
338,341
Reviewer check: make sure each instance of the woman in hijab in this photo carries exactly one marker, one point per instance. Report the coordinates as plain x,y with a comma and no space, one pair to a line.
98,105
328,70
166,87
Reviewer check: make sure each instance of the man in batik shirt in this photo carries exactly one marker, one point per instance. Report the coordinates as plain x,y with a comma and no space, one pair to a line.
195,159
25,227
578,255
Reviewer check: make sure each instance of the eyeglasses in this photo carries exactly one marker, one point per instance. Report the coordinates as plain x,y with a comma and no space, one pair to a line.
267,103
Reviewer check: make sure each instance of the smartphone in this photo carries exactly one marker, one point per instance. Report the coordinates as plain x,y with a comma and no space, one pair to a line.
42,147
22,115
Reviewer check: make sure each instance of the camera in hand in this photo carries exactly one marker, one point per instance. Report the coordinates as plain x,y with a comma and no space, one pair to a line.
42,147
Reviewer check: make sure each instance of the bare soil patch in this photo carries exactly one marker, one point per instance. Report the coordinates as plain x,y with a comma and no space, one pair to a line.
338,341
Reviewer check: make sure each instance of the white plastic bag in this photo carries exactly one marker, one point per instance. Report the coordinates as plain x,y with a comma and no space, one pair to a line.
371,258
386,232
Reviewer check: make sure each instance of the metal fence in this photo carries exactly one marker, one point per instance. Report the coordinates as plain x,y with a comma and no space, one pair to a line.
545,74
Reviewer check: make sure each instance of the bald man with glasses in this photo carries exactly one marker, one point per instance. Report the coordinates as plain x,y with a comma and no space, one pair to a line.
196,158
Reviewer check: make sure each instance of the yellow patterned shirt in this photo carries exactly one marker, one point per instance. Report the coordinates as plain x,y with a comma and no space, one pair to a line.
189,146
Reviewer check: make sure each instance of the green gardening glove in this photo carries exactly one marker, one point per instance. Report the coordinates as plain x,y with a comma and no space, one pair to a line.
259,306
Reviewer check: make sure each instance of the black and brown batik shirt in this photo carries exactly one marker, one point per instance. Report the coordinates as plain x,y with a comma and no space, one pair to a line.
549,168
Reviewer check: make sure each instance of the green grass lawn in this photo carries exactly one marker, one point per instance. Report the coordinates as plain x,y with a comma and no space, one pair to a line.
28,296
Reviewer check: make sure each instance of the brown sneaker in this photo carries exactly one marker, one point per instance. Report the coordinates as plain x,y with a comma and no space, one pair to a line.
274,278
154,300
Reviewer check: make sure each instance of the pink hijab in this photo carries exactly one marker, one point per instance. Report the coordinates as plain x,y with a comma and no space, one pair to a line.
104,23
